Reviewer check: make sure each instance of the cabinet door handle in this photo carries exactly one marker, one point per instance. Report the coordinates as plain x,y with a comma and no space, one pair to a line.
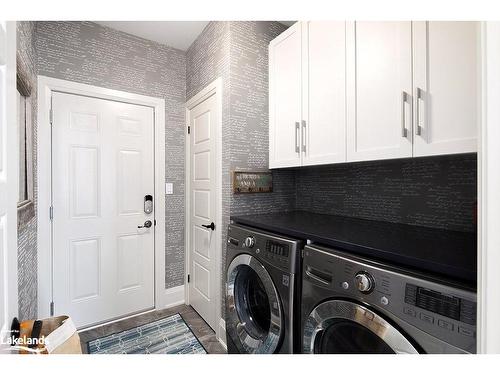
404,98
418,128
303,136
297,129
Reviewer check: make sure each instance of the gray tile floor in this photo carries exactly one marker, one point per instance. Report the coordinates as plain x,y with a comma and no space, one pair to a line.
199,327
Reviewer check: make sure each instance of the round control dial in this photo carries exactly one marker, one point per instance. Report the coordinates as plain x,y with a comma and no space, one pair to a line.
364,282
249,242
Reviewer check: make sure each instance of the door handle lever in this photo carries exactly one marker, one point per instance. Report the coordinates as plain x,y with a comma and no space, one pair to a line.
147,224
211,226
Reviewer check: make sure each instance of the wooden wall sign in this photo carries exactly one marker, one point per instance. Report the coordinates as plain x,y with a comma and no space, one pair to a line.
252,182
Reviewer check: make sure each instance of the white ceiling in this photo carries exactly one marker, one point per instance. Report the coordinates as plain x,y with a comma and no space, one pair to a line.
177,34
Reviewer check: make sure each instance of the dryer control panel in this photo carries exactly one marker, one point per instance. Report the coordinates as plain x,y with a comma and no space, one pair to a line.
440,309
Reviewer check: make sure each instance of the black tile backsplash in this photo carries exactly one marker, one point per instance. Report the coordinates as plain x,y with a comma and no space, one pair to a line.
439,192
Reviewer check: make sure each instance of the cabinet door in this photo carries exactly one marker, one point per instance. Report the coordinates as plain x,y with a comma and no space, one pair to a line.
446,84
379,86
324,125
285,98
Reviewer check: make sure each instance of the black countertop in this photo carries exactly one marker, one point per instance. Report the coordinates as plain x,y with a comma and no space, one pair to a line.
446,253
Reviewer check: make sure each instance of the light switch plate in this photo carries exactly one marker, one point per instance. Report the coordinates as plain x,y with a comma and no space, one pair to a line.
169,188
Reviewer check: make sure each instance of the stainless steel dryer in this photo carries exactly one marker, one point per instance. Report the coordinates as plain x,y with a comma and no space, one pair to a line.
354,305
262,292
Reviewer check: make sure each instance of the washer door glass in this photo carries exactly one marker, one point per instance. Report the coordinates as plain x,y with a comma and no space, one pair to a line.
339,326
346,337
252,303
253,316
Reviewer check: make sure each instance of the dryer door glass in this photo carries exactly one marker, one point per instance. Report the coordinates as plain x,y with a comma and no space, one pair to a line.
339,326
347,337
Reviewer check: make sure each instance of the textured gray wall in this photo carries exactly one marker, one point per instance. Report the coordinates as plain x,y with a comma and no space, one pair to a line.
439,192
89,53
238,53
27,231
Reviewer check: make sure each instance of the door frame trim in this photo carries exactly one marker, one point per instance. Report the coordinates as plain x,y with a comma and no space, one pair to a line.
213,88
9,301
488,182
46,86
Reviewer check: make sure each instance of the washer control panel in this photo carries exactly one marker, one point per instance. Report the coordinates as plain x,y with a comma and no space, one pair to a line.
281,252
441,310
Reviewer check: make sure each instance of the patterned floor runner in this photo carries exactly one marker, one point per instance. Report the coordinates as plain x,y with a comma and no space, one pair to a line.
166,336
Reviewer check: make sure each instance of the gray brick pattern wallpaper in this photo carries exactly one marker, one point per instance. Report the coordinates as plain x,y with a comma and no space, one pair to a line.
27,231
238,53
88,53
249,116
439,192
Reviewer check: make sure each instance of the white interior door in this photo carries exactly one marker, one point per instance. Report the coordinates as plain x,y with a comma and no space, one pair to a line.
202,239
285,93
8,181
103,167
447,87
324,92
379,88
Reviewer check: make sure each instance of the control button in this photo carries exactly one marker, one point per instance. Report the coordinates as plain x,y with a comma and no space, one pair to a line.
445,324
249,242
409,311
465,331
427,318
384,300
257,251
364,282
345,285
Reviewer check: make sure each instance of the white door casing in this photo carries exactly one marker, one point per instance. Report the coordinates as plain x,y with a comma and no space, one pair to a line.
103,167
47,87
8,181
446,87
285,98
488,324
323,92
379,88
203,209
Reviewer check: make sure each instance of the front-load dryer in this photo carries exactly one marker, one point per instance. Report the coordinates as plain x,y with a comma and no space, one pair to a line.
352,304
262,292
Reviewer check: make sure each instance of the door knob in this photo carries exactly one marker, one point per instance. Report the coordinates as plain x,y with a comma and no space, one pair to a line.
147,224
211,226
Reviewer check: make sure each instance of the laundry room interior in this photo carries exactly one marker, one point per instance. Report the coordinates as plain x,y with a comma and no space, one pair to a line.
250,187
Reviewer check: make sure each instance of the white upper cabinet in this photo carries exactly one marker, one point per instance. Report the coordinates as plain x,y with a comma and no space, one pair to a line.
361,91
379,86
446,87
307,95
285,98
323,95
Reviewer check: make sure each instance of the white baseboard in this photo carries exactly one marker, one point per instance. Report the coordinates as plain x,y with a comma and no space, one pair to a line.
221,336
173,297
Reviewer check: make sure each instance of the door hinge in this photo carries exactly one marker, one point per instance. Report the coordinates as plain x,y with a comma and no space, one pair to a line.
52,308
51,212
189,279
189,129
51,115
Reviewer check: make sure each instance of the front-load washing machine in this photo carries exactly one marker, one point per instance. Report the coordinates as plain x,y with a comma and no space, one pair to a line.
262,292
